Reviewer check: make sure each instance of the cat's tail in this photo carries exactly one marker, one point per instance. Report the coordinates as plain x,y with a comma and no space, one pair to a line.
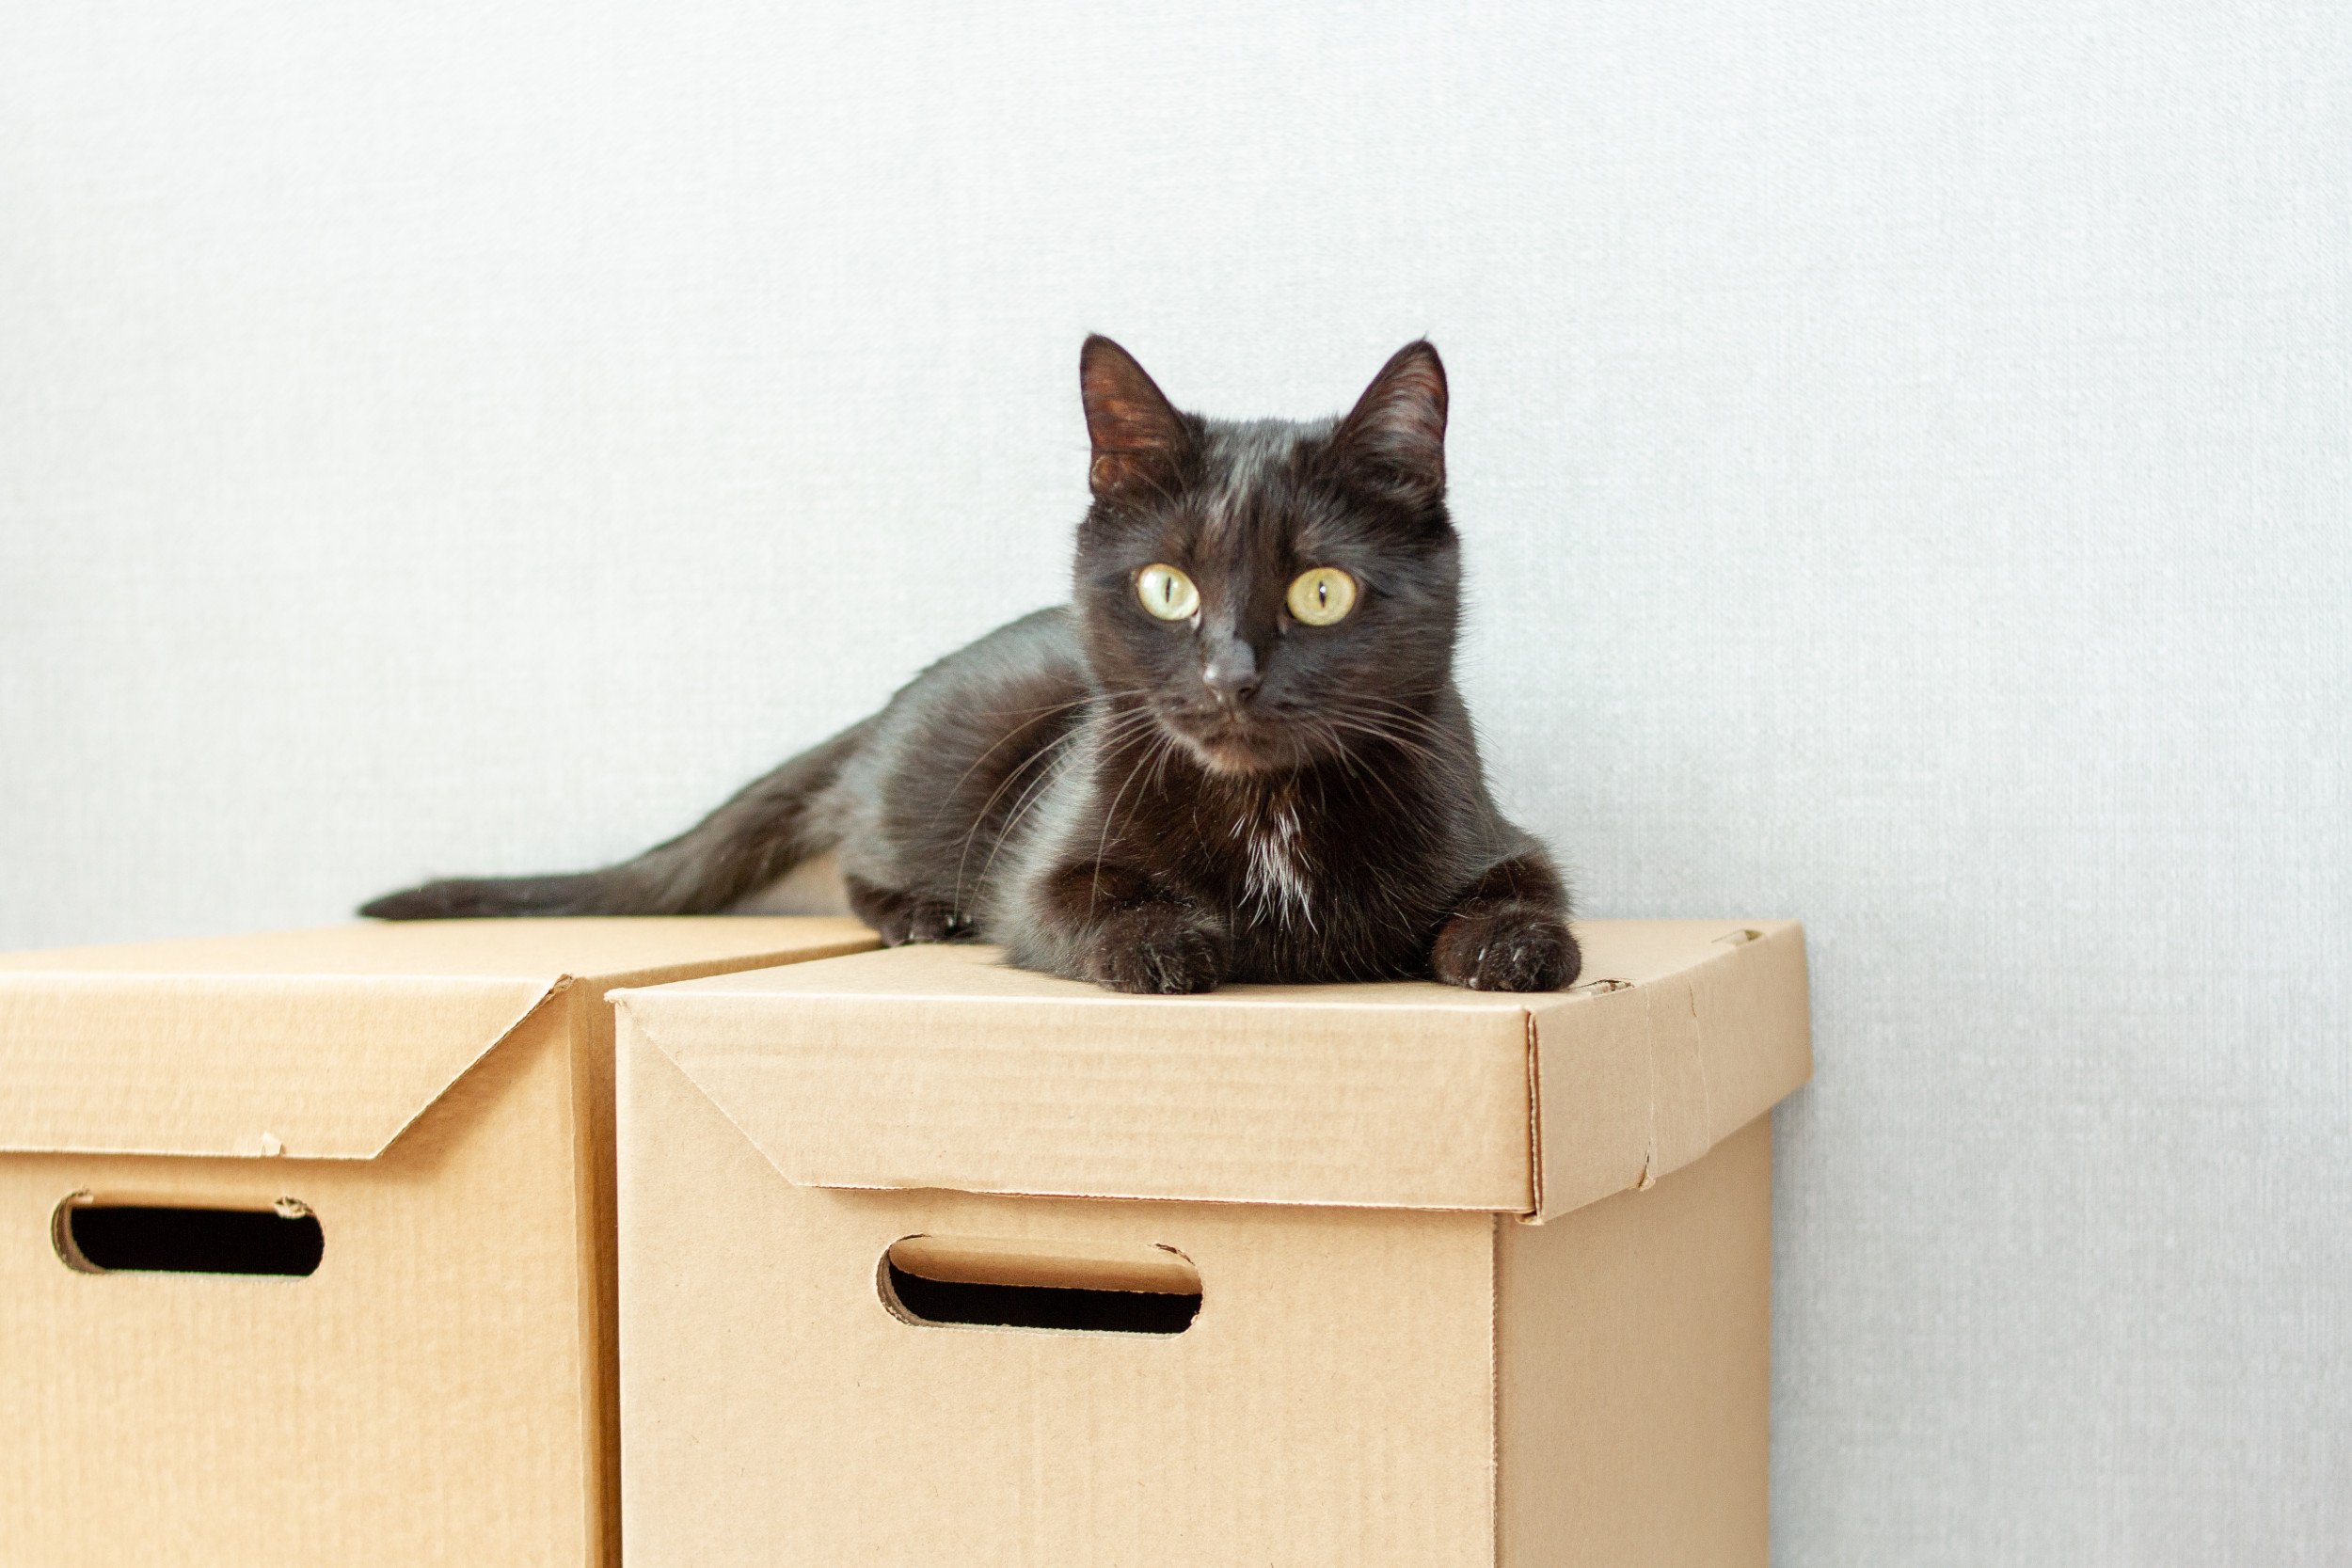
771,825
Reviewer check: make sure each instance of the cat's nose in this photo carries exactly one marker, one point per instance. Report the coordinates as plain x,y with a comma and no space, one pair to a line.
1231,674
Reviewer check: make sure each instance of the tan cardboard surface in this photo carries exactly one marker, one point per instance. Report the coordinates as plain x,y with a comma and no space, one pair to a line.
586,947
415,1401
1330,1407
1713,1030
441,1389
941,1067
319,1043
1361,1386
1633,1373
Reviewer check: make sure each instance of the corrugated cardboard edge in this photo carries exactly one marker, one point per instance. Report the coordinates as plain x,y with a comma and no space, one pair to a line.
1496,1374
435,1091
324,1043
596,1111
1624,1111
1535,1116
834,1105
1697,1095
556,988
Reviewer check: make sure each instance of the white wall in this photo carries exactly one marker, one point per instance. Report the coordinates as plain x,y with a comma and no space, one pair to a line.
1903,451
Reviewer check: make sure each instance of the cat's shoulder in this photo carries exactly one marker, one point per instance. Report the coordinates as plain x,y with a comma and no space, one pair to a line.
1042,647
1042,638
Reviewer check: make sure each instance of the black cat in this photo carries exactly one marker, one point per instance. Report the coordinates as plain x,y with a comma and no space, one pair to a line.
1239,756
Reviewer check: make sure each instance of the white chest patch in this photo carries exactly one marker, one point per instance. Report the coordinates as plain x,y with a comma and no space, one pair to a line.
1276,881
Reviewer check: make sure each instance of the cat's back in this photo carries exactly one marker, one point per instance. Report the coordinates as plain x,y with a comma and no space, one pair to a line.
955,753
1039,656
1043,644
968,699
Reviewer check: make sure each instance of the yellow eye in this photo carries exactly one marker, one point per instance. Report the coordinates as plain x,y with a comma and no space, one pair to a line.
1167,592
1323,596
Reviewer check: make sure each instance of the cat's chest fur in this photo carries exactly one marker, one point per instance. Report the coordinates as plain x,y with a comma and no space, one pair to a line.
1279,873
1301,869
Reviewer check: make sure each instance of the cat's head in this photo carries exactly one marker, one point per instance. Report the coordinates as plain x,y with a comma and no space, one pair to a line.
1269,593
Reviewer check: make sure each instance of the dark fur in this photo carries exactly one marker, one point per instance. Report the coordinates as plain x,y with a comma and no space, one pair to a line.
1161,806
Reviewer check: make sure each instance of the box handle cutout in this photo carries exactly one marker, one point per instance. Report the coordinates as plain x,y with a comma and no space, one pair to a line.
990,1282
1739,939
95,1237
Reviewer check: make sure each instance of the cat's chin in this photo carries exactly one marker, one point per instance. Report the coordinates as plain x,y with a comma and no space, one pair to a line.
1231,762
1233,753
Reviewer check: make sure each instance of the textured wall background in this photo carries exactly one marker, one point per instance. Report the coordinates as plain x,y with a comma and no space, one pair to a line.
1904,452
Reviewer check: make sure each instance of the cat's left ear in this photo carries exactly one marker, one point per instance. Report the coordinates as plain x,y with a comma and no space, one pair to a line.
1395,434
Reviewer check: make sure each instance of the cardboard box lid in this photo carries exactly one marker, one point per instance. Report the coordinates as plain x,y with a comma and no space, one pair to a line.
317,1044
941,1067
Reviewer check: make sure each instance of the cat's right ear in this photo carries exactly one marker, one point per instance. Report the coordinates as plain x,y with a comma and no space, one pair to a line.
1137,435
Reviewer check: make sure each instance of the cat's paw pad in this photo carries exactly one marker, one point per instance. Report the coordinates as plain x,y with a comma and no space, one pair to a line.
1511,947
1157,950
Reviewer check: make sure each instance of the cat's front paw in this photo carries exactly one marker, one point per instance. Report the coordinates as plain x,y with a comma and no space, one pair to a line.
1157,950
1506,947
900,918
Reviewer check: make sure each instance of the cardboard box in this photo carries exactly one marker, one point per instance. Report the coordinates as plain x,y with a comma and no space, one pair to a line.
409,1130
1348,1274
